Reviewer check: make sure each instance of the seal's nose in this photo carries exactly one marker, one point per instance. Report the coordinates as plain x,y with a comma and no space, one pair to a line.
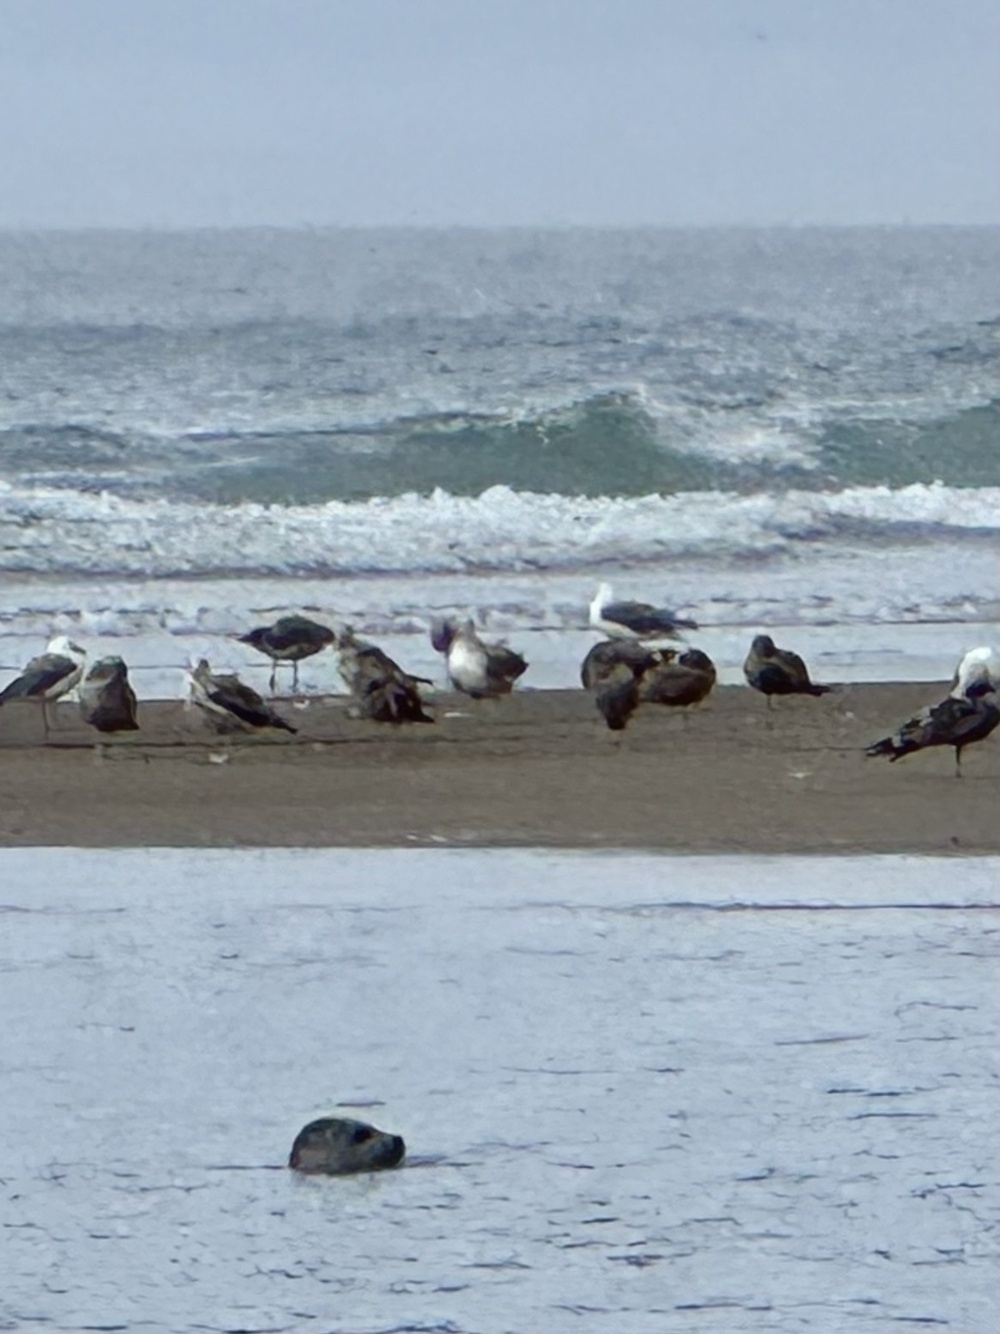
398,1148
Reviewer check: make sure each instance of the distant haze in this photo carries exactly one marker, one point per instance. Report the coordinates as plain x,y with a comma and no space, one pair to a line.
180,113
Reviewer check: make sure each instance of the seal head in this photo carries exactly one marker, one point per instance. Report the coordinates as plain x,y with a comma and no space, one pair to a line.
334,1145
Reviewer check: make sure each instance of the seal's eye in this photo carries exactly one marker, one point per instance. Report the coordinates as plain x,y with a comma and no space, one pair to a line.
361,1134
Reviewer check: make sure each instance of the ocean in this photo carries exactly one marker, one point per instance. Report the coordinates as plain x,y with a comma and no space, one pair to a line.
791,430
638,1093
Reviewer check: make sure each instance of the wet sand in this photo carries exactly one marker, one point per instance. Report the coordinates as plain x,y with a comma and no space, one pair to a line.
537,769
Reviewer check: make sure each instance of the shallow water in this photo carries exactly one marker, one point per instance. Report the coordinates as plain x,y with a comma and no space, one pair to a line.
168,623
639,1093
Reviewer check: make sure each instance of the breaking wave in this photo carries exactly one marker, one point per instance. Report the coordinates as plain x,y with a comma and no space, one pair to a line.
48,530
617,444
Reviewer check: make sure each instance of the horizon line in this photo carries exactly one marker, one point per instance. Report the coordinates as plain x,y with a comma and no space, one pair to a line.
170,228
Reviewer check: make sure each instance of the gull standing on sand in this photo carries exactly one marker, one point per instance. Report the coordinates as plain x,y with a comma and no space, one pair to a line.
778,671
957,721
228,703
107,700
481,670
383,691
289,639
48,677
978,671
634,620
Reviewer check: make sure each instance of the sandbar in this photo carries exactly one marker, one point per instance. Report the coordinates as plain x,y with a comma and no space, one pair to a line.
537,769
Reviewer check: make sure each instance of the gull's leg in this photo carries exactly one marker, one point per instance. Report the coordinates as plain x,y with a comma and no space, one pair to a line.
771,711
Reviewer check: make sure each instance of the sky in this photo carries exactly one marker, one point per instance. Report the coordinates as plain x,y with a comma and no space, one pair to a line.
195,113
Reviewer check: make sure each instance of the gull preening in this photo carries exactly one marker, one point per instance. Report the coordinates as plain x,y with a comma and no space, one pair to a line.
49,676
678,681
605,660
778,671
959,720
612,670
617,698
477,668
625,673
228,703
107,700
634,620
383,691
289,639
977,673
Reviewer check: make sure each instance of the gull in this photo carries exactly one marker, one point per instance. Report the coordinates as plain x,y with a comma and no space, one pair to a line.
48,677
978,672
603,661
383,691
617,697
957,721
289,639
634,620
612,670
679,681
107,701
475,667
228,703
778,671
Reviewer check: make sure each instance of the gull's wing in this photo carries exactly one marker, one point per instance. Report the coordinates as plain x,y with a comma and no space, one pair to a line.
643,618
243,702
39,677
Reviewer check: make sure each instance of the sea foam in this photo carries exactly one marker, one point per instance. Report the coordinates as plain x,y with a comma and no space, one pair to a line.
50,531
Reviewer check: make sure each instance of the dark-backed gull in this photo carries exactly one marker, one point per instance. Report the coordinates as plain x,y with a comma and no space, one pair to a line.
381,689
227,702
634,620
289,639
48,677
604,660
978,672
107,700
683,680
617,698
778,671
957,721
